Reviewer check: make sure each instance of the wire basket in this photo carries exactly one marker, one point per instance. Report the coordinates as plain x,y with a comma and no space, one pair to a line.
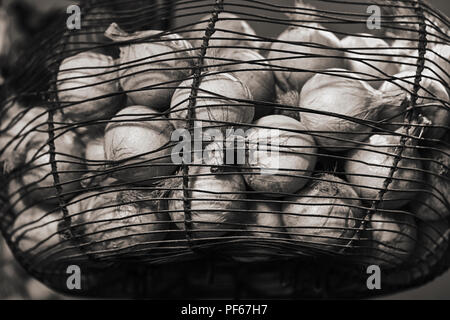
198,157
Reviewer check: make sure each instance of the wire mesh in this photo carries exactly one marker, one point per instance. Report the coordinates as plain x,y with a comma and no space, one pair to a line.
278,165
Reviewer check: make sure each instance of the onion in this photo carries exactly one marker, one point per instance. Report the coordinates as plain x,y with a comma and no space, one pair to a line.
433,203
431,92
152,65
18,127
265,222
117,222
325,214
87,87
138,138
34,229
335,93
437,59
392,239
216,202
35,233
214,102
288,52
37,176
279,159
365,47
432,244
368,168
230,31
253,70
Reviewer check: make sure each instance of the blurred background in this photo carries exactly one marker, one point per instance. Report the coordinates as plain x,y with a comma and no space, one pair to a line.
20,20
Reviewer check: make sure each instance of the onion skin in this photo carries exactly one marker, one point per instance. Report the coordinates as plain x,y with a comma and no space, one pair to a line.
434,203
374,48
38,179
135,133
289,146
35,232
321,217
95,75
160,65
27,218
19,126
392,237
210,107
367,161
349,97
210,217
258,76
436,63
117,222
231,27
289,80
439,115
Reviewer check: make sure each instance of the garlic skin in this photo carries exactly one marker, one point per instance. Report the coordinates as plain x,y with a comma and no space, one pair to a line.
217,202
251,69
226,34
138,138
391,239
372,160
322,44
20,125
88,88
364,47
287,159
432,92
34,228
325,214
37,176
335,93
114,223
214,102
152,65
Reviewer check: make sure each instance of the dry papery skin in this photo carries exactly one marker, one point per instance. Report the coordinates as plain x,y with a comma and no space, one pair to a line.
251,69
369,167
325,214
392,239
37,175
88,87
217,202
226,32
117,223
138,139
153,62
35,230
320,42
215,102
432,103
285,164
341,92
365,47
